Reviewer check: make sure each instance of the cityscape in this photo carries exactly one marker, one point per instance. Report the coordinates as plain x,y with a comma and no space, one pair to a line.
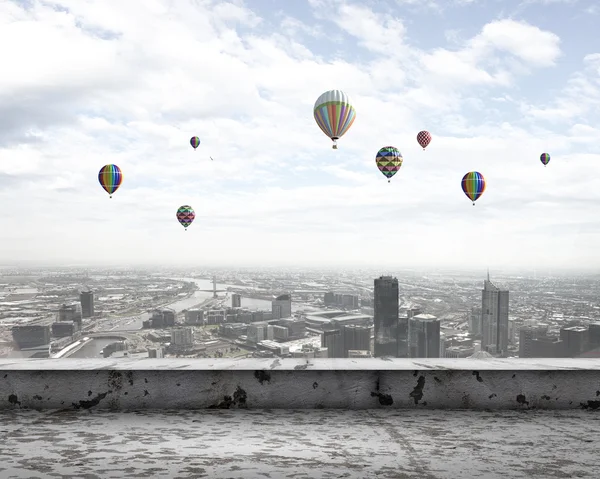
242,313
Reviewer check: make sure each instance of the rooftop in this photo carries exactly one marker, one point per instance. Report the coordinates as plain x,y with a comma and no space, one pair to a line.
314,443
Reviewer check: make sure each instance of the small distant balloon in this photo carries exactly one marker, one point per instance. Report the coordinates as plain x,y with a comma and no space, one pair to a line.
334,114
389,161
424,138
110,178
545,158
195,142
185,215
473,185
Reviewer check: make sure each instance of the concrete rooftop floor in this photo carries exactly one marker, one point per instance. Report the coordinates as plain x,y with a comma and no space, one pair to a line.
300,444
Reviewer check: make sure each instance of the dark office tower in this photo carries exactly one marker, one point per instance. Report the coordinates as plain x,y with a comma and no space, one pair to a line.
386,316
494,318
575,340
527,334
87,304
356,338
403,342
333,340
594,335
424,336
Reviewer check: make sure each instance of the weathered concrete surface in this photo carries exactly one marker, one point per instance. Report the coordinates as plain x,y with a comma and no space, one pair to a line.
367,364
362,384
300,444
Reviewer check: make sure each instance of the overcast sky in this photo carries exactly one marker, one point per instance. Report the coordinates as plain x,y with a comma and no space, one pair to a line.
497,83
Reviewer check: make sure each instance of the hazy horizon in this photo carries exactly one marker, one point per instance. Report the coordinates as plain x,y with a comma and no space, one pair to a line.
86,84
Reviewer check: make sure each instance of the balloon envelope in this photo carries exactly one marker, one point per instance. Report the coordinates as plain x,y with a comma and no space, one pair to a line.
110,178
545,158
334,114
185,215
424,138
195,142
389,161
473,185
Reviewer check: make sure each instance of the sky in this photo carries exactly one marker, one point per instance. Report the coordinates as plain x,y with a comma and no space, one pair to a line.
497,83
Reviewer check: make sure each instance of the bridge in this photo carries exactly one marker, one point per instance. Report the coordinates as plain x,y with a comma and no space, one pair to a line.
214,291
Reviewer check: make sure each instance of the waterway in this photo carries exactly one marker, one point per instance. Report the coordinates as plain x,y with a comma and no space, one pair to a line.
93,348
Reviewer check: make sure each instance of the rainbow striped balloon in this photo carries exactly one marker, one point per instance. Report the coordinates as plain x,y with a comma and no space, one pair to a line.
195,142
473,184
334,114
110,178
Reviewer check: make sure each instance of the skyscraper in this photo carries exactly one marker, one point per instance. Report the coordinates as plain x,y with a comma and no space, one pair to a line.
424,336
87,304
386,316
494,318
281,307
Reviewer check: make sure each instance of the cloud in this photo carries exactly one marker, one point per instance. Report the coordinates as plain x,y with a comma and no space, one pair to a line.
130,83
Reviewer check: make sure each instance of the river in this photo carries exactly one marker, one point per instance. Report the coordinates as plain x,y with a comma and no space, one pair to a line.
93,348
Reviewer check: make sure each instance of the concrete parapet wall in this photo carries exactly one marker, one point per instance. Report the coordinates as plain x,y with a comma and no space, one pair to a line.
125,384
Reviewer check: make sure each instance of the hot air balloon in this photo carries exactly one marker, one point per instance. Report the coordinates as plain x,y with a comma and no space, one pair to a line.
473,184
195,142
389,161
110,178
185,215
334,114
545,158
424,138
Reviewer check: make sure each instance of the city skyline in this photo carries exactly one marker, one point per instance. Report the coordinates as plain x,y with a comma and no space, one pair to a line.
131,84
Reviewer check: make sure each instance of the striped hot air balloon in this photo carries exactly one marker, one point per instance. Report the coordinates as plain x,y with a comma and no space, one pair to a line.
110,178
545,158
473,185
185,215
389,161
195,142
334,114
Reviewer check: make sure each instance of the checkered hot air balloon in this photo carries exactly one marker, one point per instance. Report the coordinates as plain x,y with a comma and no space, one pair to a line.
334,114
185,215
545,158
110,178
389,161
195,142
473,185
424,138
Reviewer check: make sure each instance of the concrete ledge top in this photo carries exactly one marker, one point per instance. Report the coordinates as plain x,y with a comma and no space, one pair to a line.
321,364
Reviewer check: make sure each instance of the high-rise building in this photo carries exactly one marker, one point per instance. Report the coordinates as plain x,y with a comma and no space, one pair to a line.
494,318
87,304
182,337
594,335
236,300
475,322
527,334
356,338
282,306
30,336
424,332
575,340
386,316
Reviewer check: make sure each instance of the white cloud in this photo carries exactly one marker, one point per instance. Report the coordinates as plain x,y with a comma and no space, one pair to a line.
130,82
